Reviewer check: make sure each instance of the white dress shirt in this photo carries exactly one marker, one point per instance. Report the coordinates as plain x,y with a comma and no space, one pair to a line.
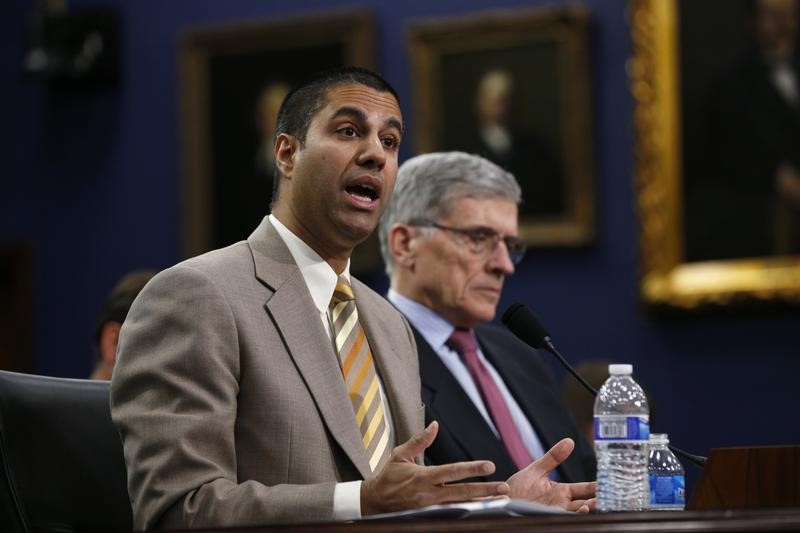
321,281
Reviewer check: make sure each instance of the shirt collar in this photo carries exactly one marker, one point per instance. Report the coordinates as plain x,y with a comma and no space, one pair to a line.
317,273
433,328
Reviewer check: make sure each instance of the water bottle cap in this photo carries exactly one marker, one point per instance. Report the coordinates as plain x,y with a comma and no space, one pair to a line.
660,438
617,369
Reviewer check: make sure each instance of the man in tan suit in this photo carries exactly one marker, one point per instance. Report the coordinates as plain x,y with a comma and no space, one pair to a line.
233,394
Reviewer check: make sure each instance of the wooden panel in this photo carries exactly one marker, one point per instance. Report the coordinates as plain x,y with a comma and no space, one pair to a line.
736,478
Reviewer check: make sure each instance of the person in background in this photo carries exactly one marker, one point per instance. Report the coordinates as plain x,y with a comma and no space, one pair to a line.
262,383
109,321
449,239
267,106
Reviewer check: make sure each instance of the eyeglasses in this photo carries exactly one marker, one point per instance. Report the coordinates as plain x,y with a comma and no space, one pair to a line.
482,240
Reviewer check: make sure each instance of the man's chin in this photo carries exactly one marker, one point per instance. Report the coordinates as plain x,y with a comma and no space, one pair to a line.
358,231
485,313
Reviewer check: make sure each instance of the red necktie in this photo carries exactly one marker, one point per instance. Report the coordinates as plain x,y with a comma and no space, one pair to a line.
462,341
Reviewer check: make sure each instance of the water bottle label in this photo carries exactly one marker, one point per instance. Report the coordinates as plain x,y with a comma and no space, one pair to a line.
621,427
667,491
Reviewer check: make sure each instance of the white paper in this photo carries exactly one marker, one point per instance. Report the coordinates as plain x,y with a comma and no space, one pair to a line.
501,507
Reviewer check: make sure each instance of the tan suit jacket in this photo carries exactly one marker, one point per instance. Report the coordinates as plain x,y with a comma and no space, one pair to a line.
229,396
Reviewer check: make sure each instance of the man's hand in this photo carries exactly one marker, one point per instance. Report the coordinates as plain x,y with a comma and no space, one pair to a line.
532,483
403,484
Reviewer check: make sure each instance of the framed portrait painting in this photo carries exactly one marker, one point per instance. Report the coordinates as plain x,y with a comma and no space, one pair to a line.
514,87
716,88
233,80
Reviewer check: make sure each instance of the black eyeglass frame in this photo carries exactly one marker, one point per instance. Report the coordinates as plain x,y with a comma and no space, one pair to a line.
478,235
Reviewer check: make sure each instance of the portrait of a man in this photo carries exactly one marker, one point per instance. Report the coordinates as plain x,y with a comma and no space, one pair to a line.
525,145
741,117
513,87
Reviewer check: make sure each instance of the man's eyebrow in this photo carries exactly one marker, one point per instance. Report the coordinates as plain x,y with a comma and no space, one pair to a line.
351,112
360,116
394,123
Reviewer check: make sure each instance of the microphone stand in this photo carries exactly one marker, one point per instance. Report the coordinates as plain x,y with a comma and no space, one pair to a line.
541,339
696,459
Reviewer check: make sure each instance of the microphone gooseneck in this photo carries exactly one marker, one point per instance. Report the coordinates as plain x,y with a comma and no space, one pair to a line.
522,323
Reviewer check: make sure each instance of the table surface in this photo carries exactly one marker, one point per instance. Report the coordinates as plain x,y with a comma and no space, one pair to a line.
779,519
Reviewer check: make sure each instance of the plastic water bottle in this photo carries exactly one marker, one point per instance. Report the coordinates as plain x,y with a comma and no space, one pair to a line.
667,484
621,434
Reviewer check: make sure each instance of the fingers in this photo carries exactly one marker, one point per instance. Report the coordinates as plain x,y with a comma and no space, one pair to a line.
582,506
463,492
403,485
439,475
584,490
416,444
578,506
555,455
591,504
491,498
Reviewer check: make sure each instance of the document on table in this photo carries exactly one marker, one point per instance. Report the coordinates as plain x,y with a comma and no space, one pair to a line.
501,507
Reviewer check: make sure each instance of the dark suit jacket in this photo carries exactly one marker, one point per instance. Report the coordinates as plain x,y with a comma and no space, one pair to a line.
463,433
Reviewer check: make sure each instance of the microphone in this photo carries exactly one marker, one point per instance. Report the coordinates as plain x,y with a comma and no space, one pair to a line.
522,323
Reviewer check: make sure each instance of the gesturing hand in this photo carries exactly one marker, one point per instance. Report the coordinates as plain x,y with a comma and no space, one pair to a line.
403,484
533,483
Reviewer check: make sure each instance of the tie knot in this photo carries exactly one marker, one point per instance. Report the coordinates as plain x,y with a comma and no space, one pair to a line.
343,292
461,340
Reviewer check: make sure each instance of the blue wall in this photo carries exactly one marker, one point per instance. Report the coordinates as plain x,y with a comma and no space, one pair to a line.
91,180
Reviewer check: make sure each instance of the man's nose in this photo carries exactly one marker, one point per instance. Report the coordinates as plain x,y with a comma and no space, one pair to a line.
373,152
500,259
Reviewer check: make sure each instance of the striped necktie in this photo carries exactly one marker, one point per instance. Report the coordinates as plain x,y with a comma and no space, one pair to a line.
358,369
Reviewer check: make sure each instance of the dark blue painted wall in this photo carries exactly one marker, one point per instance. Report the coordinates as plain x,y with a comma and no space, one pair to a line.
91,180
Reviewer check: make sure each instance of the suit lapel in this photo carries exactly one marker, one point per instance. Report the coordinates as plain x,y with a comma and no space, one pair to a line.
455,410
295,316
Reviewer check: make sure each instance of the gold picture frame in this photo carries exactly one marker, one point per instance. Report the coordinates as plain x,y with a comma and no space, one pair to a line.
543,53
226,72
667,280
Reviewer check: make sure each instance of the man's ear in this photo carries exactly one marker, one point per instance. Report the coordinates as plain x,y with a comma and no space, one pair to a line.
109,335
285,150
402,245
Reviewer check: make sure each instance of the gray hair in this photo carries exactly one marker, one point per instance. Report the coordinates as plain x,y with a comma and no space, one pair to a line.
429,185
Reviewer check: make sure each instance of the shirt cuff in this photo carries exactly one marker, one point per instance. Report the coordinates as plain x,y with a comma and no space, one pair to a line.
347,500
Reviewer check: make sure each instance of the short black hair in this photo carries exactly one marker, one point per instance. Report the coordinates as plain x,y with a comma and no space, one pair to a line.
305,100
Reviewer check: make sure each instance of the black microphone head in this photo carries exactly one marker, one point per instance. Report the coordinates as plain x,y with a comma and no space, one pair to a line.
522,323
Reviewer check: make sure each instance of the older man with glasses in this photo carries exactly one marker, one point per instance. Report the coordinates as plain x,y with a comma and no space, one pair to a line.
449,238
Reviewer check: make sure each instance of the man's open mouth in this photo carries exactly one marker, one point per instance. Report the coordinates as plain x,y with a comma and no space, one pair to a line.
364,192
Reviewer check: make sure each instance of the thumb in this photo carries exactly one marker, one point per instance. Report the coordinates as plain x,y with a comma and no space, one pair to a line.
416,444
555,455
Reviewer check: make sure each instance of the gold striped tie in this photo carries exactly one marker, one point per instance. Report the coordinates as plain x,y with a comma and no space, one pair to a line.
360,377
